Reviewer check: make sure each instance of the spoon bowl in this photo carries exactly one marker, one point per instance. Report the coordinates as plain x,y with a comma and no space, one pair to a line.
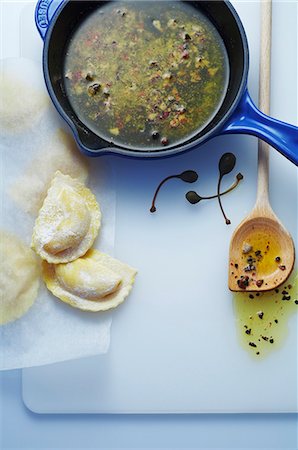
263,232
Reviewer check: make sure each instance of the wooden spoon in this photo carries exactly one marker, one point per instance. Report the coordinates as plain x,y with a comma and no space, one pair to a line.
270,260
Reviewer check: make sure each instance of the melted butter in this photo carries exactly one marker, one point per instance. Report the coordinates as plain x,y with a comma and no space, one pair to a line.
154,71
261,260
262,320
269,247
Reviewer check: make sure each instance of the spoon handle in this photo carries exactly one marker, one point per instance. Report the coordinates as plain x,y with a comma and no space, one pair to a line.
264,101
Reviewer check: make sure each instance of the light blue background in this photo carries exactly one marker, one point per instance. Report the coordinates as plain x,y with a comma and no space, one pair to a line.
20,428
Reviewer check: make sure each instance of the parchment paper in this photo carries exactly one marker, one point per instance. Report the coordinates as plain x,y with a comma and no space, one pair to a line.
50,331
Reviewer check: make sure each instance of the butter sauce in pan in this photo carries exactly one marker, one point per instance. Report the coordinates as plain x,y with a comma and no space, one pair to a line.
146,76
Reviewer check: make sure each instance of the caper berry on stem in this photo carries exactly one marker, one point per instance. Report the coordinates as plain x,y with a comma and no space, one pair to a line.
193,197
188,176
226,165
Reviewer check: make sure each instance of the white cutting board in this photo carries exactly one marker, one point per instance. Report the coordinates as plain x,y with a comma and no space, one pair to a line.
174,345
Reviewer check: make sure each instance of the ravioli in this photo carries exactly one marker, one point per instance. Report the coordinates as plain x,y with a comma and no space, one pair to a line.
95,282
19,278
23,95
68,221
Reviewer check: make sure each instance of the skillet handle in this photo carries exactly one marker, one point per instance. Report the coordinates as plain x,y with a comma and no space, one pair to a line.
44,12
248,119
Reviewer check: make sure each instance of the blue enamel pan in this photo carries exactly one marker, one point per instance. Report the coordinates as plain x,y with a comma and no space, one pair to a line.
56,21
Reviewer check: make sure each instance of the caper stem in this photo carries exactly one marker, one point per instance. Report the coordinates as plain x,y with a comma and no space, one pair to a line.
219,200
233,186
239,177
153,208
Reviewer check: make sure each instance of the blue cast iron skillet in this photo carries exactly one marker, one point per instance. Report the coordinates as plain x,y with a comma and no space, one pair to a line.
56,21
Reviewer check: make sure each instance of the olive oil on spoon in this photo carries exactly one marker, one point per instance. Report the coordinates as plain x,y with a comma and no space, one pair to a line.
262,252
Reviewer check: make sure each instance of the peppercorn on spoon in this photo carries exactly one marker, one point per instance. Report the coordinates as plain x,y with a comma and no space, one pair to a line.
262,252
